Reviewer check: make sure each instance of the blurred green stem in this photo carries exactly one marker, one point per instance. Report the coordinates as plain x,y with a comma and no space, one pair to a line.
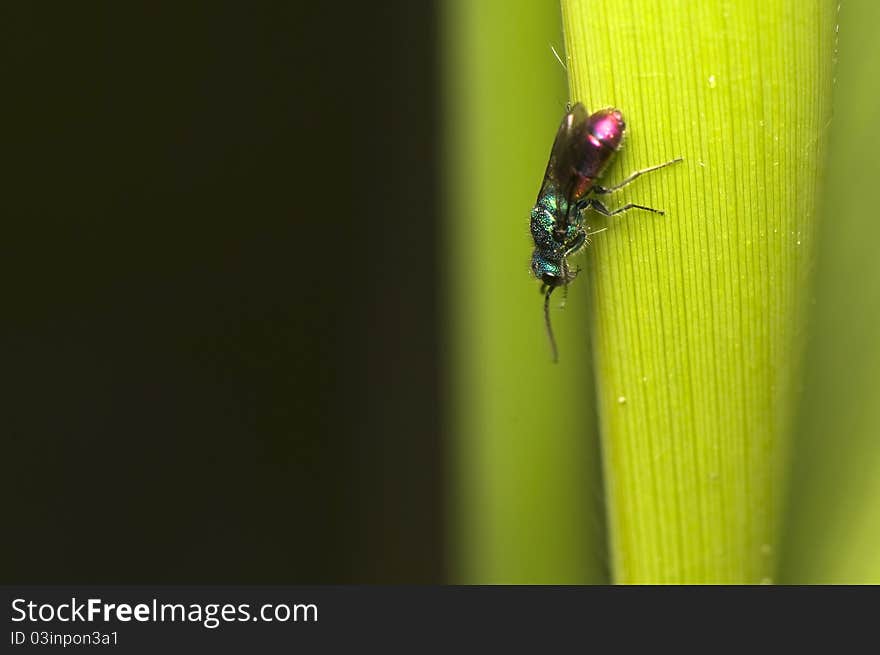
833,534
698,313
523,474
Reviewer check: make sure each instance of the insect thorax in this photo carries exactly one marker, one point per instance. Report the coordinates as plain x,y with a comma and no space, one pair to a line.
553,234
550,227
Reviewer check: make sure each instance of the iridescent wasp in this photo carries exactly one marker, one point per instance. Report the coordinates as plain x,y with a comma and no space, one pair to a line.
584,146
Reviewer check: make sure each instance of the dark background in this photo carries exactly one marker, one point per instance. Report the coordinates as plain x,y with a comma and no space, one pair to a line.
219,301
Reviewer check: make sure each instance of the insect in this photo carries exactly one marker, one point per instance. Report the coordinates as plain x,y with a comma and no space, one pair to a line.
584,146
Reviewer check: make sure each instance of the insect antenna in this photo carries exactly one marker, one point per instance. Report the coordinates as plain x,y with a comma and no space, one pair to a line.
548,325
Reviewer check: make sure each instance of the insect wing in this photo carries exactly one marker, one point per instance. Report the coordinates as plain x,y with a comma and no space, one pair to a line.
566,154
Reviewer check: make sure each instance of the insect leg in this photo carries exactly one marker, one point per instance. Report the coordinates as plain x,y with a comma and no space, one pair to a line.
602,209
561,63
568,275
576,244
604,190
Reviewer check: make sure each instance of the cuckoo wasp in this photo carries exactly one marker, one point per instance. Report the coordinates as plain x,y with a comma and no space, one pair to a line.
584,146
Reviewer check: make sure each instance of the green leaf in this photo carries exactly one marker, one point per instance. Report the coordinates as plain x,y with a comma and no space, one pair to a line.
698,314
